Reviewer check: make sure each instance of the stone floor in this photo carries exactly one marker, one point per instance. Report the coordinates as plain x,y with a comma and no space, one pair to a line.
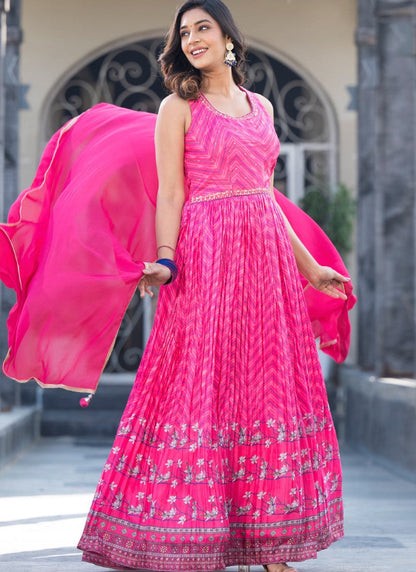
46,492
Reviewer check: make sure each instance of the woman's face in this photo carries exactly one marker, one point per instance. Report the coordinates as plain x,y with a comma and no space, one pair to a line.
202,40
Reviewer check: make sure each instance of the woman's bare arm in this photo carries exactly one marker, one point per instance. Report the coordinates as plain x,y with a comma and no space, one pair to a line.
171,125
322,278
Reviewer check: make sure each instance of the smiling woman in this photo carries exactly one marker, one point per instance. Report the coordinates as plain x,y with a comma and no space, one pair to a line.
226,453
192,30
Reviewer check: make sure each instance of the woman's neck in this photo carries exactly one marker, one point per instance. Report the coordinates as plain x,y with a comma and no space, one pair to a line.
218,82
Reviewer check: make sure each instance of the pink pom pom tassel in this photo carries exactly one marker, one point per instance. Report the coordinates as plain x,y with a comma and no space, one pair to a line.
85,401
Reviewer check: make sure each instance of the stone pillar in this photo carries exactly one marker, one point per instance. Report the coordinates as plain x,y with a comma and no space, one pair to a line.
13,104
366,95
387,186
9,173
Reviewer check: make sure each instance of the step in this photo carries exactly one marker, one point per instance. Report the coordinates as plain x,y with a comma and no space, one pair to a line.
108,396
63,415
80,423
19,428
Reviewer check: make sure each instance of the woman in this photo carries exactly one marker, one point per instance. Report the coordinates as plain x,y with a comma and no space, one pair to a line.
226,453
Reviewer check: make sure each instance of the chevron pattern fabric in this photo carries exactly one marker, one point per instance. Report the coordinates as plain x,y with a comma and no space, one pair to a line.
224,153
226,453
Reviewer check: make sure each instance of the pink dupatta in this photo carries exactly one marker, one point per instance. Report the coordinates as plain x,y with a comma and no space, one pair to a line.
75,241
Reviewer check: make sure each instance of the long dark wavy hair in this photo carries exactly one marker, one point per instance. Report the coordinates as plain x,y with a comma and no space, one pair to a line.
179,75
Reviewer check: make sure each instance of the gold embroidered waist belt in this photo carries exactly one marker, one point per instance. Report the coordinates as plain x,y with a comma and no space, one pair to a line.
227,194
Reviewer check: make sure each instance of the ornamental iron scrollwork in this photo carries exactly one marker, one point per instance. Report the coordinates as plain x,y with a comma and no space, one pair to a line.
281,173
300,113
129,346
316,169
129,76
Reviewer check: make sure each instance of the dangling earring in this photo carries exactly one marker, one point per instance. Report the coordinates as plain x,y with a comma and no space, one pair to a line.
230,55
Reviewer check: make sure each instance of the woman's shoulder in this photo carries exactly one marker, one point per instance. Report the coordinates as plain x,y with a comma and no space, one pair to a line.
265,102
175,112
173,103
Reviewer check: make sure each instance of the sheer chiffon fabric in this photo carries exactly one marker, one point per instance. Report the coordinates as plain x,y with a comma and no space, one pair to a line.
74,245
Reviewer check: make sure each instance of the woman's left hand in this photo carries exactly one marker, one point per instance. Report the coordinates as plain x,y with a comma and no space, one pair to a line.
330,282
154,274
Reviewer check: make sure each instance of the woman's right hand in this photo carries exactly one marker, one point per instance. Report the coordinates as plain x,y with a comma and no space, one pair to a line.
330,282
154,274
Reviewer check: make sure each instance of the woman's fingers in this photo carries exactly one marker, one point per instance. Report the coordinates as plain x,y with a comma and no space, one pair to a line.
335,290
340,277
144,282
141,289
338,285
144,288
331,283
154,274
149,291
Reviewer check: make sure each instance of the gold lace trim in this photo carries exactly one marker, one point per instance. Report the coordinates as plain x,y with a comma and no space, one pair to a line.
226,194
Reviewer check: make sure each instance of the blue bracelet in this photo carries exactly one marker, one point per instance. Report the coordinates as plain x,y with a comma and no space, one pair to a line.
172,267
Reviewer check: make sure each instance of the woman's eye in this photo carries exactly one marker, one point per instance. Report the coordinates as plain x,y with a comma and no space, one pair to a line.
200,29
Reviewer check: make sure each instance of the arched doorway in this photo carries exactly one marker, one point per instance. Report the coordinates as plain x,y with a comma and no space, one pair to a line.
127,74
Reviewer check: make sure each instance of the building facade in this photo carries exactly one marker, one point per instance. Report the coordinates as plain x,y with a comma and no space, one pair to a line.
311,43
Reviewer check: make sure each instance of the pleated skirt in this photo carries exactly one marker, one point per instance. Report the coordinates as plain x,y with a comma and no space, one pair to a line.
226,453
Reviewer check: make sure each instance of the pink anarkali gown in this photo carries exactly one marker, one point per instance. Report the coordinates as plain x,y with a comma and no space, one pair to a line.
226,453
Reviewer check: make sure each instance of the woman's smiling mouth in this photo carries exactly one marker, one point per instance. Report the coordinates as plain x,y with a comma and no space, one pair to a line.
198,52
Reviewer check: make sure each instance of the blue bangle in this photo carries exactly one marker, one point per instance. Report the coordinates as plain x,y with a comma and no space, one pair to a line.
172,267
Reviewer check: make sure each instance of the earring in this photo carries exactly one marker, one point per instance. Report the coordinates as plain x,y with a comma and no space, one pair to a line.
230,55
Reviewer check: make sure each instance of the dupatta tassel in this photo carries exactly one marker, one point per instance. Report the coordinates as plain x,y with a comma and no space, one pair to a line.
85,401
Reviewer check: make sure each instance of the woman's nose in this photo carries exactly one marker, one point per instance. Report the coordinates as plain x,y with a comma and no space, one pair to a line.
193,37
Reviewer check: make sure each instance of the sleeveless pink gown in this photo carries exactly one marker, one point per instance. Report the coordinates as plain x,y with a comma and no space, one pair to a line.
226,453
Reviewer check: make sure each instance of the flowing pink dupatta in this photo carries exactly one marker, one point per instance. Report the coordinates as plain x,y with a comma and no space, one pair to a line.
75,241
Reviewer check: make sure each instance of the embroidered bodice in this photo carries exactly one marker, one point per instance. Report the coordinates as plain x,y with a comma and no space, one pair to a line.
228,154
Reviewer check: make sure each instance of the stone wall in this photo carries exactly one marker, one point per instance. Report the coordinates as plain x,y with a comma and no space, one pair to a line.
380,395
9,174
387,186
380,417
